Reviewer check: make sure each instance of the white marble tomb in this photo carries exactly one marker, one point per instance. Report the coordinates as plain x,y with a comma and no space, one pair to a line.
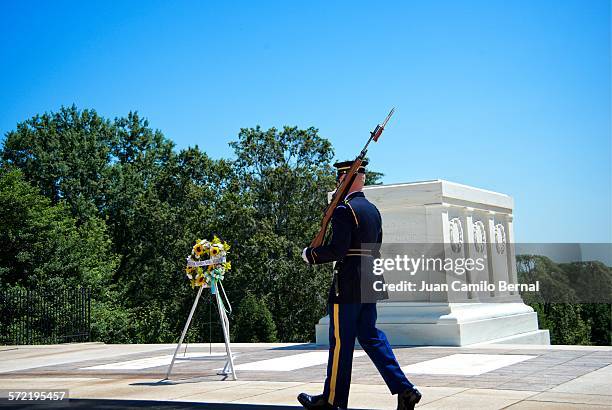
468,221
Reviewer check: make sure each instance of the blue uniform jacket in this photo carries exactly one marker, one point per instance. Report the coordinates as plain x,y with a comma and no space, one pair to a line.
355,243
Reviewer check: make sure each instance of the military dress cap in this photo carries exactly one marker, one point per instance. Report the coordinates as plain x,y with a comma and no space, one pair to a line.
344,166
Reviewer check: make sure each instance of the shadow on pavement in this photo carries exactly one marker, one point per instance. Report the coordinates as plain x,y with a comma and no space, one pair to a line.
103,404
305,346
314,346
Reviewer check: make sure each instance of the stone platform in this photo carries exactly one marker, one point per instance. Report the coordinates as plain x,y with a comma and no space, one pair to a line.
271,375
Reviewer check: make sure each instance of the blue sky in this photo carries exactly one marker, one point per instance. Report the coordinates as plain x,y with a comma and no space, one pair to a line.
506,96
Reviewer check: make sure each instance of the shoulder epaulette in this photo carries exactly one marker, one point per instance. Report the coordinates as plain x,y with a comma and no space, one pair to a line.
346,202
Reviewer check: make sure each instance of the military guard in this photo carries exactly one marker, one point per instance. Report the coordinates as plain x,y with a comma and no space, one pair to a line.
355,243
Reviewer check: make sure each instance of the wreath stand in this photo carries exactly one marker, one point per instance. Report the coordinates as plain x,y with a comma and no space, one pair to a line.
228,369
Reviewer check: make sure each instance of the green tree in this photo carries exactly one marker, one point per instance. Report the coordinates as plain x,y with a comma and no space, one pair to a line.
592,282
125,181
66,155
41,244
284,176
374,178
599,318
254,322
42,247
556,304
111,176
288,174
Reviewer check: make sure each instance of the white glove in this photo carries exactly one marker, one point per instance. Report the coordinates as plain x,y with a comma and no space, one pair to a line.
304,256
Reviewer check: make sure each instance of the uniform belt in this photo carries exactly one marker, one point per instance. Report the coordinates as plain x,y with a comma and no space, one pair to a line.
359,252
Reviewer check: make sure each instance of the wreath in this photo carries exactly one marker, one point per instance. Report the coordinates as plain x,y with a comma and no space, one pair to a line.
207,263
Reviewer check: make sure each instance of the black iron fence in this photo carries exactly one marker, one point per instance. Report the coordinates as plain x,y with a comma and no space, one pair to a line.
44,316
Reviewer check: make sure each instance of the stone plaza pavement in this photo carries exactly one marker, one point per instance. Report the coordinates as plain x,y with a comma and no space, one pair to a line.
271,375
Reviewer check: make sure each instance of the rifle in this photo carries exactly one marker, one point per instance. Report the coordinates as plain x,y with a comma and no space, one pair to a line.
342,189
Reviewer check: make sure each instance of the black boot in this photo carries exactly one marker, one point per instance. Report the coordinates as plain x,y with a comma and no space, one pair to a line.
315,402
408,398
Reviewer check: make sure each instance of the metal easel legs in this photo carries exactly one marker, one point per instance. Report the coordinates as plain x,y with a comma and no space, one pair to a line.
229,363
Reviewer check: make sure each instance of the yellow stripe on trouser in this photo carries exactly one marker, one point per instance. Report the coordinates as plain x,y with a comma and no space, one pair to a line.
334,374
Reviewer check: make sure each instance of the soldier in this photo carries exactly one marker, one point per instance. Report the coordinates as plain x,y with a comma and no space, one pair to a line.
355,243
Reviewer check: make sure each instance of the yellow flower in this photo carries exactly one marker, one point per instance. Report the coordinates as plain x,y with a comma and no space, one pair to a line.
198,249
189,269
227,265
200,280
226,246
214,251
210,268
